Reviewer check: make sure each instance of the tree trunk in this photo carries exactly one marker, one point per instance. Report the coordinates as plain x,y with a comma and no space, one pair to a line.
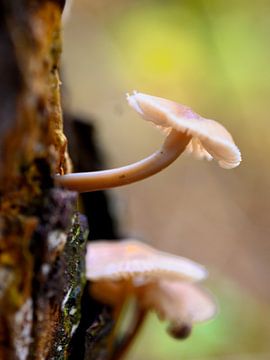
43,239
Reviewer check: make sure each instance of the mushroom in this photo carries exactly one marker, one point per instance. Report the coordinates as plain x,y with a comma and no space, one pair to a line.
181,303
117,269
209,139
157,280
138,263
183,128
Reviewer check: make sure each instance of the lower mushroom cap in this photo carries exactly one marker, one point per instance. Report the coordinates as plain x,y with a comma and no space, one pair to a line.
158,281
132,259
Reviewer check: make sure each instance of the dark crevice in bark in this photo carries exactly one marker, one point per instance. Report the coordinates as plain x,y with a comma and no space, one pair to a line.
89,341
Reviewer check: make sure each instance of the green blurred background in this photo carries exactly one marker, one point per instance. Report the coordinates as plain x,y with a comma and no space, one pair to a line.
214,56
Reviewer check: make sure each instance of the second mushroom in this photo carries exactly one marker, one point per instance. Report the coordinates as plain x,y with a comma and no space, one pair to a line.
158,281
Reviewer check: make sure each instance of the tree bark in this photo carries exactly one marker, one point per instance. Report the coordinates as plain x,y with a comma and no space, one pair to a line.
42,238
46,311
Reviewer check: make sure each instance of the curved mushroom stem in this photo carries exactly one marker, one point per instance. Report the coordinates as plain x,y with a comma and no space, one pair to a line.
122,348
174,144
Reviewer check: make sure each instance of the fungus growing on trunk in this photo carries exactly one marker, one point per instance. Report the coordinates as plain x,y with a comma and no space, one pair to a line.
184,129
209,139
157,281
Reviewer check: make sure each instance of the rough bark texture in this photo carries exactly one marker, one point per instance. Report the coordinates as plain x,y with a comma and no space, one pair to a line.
42,239
45,309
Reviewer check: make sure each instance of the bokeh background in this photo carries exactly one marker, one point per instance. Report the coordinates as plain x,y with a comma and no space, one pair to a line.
213,56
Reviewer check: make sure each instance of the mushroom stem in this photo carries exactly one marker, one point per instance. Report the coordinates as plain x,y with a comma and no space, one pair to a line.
173,146
124,345
117,318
